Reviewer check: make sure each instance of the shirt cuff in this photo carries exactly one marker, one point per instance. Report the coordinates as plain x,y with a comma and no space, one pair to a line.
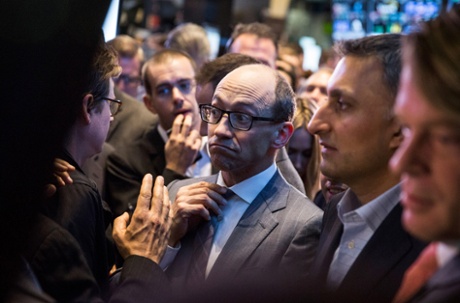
169,256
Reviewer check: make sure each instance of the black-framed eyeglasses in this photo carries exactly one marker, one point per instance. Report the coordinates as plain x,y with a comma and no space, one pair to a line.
241,121
114,105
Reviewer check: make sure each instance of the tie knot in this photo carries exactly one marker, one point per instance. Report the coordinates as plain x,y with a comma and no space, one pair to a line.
230,194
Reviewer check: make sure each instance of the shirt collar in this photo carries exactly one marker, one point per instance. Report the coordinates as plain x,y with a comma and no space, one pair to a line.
446,251
251,187
373,212
163,133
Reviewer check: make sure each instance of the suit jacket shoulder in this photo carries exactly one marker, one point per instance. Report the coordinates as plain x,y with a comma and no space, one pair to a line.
288,171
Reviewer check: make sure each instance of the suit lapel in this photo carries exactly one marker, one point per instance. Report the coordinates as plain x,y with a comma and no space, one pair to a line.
381,256
332,230
254,227
155,147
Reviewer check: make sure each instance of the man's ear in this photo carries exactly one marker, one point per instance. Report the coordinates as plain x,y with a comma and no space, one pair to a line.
149,103
86,108
397,136
283,134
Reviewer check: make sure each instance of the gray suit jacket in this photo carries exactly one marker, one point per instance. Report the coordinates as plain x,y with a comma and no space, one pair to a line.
288,171
444,285
279,231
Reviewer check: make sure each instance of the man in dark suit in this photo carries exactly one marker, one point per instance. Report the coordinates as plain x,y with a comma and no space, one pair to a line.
267,225
363,250
167,148
428,159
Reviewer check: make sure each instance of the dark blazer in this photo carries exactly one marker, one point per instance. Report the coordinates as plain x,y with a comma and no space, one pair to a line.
133,114
57,261
79,209
377,272
444,285
279,230
127,165
94,167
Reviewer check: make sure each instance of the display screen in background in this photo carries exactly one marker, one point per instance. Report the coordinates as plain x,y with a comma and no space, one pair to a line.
356,19
110,26
401,16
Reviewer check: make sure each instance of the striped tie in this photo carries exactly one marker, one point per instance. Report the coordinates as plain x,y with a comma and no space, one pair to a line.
203,243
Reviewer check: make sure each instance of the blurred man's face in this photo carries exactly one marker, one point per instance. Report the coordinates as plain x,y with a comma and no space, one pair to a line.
315,87
204,96
300,149
130,79
261,49
429,161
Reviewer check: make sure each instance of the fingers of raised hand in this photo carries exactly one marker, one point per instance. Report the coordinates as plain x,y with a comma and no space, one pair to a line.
145,194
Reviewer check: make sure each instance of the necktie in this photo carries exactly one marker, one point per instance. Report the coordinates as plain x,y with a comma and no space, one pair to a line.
203,243
417,274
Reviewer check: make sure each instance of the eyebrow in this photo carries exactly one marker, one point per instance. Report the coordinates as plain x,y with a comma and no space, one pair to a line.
170,83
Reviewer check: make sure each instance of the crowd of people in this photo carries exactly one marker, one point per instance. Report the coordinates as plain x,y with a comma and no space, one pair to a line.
175,178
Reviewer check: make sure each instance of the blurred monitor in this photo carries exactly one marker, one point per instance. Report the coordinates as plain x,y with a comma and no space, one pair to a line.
213,34
401,16
110,26
348,19
311,53
356,19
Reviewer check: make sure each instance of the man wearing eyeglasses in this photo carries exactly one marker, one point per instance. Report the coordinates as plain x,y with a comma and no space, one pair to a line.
78,207
167,148
261,224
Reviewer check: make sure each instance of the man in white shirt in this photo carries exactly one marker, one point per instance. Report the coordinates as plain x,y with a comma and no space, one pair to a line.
428,105
267,226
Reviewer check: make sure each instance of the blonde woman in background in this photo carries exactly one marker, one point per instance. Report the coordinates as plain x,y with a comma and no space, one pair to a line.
303,147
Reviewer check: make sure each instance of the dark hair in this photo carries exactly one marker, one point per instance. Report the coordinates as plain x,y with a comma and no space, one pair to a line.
386,48
434,56
285,105
104,67
160,58
127,46
259,29
217,69
289,69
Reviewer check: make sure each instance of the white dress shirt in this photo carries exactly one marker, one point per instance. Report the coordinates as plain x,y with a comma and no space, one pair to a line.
202,167
246,191
446,251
